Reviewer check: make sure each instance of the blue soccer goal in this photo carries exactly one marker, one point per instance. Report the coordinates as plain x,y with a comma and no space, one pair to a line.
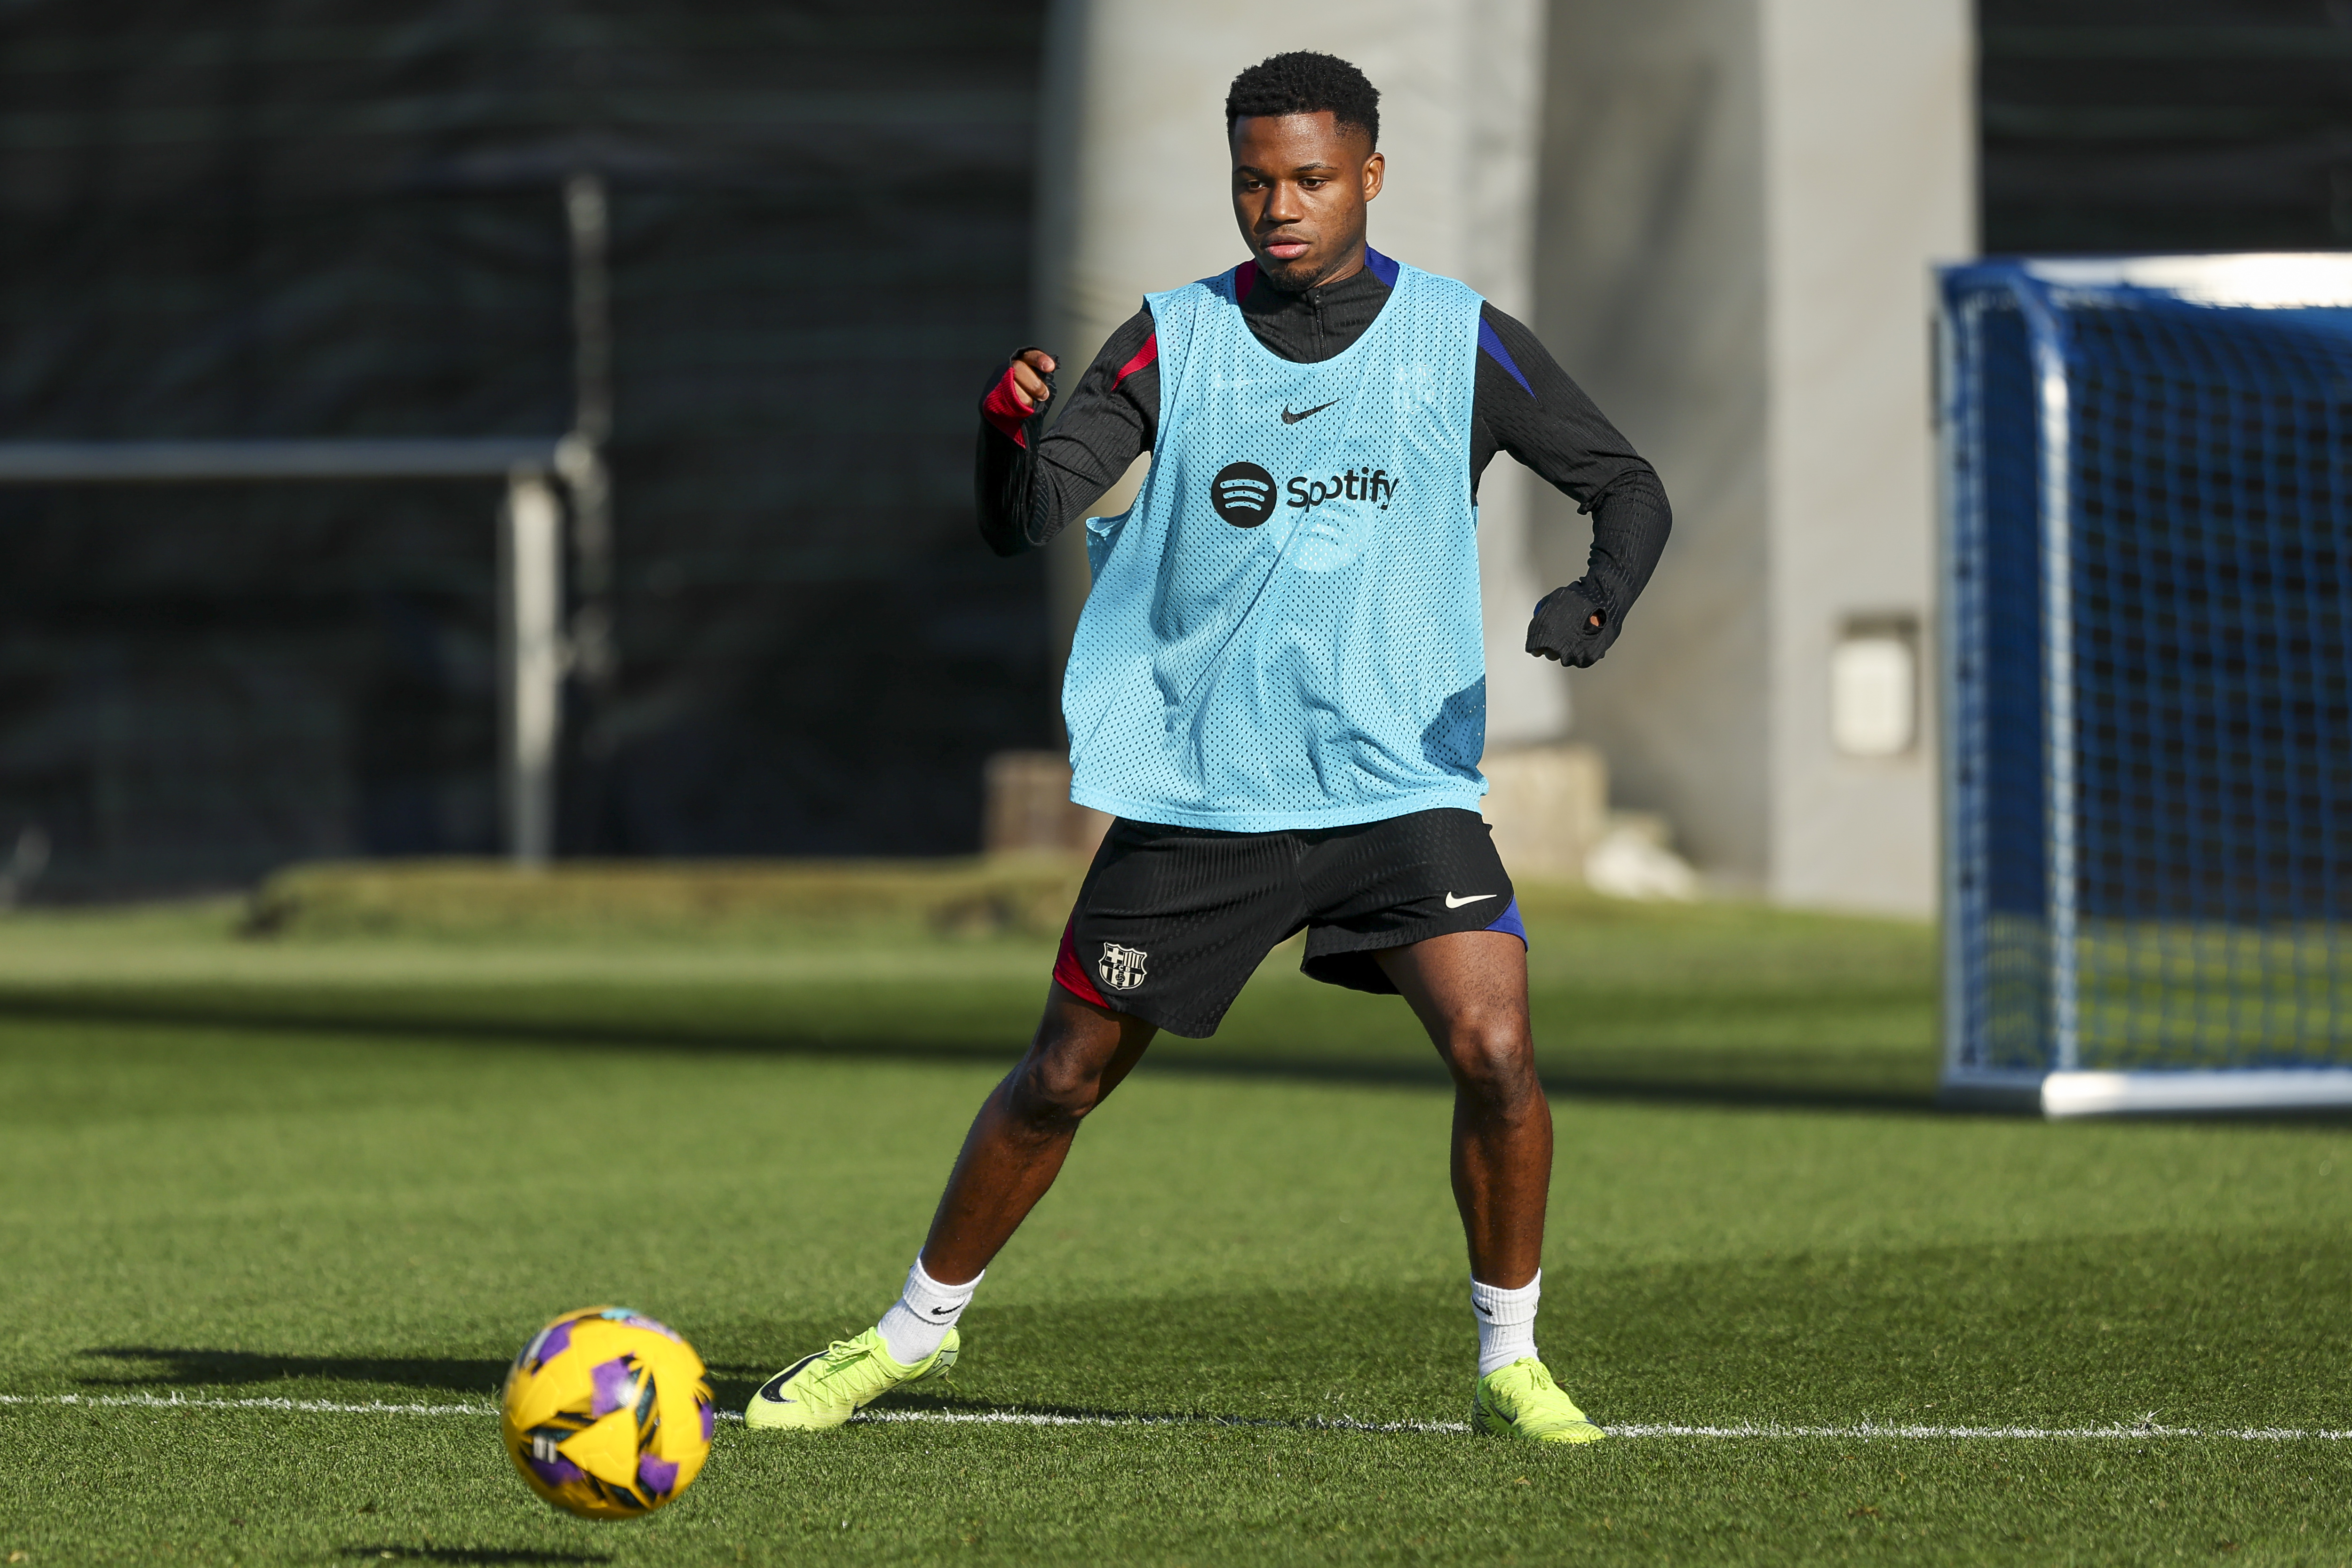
2147,682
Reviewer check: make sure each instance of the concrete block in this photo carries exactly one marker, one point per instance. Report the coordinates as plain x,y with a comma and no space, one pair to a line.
1549,806
1028,807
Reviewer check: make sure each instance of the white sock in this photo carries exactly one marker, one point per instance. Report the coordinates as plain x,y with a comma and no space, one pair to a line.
1506,1322
925,1311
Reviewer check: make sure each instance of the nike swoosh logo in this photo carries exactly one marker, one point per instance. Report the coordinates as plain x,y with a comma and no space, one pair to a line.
1290,419
1453,903
1482,1312
941,1311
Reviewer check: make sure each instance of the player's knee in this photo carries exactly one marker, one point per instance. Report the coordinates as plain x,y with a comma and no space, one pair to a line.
1493,1057
1051,1089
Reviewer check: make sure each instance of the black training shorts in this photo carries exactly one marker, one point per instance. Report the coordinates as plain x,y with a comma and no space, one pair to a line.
1172,921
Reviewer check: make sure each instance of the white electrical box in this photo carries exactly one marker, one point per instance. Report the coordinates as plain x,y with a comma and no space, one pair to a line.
1874,689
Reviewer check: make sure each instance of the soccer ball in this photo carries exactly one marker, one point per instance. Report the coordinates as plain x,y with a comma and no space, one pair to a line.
607,1414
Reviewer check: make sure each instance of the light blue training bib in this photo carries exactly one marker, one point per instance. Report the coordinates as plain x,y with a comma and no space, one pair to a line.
1284,628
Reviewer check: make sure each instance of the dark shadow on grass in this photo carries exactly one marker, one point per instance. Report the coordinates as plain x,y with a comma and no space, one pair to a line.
483,1555
1799,1090
1749,1095
732,1385
2208,1330
177,1367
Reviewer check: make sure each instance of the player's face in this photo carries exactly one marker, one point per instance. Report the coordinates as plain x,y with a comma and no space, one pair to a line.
1300,183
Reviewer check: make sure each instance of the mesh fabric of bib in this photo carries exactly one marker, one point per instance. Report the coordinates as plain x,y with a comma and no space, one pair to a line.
1284,629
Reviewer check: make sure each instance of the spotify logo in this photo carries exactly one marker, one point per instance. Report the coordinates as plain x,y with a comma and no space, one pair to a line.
1242,494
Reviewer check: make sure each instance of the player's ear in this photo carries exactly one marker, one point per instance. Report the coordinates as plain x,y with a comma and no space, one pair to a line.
1375,167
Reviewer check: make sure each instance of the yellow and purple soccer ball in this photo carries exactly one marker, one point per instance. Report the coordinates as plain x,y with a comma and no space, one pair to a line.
607,1414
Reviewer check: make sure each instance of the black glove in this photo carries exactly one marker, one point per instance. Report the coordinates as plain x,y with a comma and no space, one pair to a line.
1563,628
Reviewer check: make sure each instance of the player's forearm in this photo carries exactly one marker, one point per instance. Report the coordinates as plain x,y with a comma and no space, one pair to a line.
1005,463
1631,520
1026,495
1001,486
1530,407
1031,483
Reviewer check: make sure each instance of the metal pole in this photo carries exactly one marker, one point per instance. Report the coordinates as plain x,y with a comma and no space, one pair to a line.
230,462
532,660
1959,461
580,458
2047,335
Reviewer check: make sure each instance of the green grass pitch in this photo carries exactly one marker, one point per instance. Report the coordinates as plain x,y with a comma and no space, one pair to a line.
354,1169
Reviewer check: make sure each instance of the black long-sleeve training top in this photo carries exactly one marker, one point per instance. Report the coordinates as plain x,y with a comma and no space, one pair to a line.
1032,483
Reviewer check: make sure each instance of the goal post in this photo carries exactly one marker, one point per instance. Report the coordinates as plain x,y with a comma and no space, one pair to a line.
558,489
2146,675
533,651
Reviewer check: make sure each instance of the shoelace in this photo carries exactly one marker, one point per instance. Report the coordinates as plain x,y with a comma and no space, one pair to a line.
849,1352
1531,1382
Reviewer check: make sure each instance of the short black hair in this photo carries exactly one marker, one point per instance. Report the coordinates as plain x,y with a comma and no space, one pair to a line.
1304,82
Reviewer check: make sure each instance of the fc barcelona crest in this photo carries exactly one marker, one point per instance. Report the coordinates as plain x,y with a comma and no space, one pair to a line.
1123,967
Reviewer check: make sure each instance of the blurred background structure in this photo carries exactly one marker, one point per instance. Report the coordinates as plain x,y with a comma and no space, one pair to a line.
350,219
821,224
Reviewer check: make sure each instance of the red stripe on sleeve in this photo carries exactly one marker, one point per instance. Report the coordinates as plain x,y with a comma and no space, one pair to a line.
1148,354
1069,974
1001,409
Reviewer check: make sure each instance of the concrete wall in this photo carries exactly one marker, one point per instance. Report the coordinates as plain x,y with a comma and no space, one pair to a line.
1651,291
1740,201
1134,197
1870,178
1720,215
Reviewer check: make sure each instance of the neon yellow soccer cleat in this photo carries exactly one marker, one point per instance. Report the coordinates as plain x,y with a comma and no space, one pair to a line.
820,1392
1522,1401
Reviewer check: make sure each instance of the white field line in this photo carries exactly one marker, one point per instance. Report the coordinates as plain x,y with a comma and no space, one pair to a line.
1864,1430
1860,1431
309,1406
1869,1429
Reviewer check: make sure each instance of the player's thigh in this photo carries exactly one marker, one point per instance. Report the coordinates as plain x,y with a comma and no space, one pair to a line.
1469,989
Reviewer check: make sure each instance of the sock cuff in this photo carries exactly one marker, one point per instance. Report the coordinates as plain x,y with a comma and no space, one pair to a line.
922,1315
1496,1305
919,1281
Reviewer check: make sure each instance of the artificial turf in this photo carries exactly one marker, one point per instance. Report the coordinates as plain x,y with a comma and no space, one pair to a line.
365,1169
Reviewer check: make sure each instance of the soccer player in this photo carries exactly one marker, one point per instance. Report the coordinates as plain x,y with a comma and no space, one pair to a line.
1278,688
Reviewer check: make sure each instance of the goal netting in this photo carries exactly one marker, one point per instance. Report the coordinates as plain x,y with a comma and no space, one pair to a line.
2147,681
